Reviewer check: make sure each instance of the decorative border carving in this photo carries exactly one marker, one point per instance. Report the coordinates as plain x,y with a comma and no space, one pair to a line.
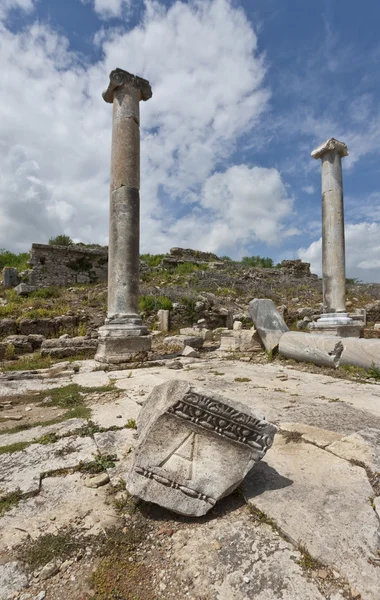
173,484
119,77
223,420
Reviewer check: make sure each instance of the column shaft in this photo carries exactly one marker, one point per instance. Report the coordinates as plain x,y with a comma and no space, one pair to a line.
333,246
124,230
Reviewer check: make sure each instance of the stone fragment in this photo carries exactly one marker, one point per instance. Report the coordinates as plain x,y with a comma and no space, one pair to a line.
313,435
49,570
178,342
23,289
40,596
175,365
268,322
163,317
12,579
362,447
321,502
66,346
97,481
190,352
194,447
10,277
237,325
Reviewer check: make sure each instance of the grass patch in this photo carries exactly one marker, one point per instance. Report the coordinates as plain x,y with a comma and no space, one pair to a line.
29,363
217,373
17,447
149,304
99,465
242,379
48,438
307,561
48,547
9,501
131,424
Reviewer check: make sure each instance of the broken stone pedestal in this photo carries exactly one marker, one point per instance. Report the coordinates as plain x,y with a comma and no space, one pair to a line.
195,447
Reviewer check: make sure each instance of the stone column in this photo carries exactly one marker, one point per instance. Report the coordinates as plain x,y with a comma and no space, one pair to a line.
333,245
123,335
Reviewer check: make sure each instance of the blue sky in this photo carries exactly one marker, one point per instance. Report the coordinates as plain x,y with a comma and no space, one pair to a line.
243,91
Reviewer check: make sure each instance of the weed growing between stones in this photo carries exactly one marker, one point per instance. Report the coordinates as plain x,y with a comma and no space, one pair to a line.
307,561
9,501
48,547
17,447
131,424
99,465
242,379
291,436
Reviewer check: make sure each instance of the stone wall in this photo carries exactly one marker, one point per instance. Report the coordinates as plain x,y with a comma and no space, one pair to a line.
66,265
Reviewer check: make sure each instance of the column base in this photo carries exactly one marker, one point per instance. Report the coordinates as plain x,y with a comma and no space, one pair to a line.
122,342
338,324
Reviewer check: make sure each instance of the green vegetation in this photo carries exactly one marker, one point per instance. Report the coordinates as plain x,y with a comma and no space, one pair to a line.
61,240
36,361
149,304
9,501
131,424
152,260
17,447
258,261
242,379
61,545
99,465
18,261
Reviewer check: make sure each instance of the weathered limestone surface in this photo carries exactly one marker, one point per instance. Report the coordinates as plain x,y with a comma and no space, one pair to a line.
318,349
268,322
363,447
361,353
12,579
242,340
314,435
121,443
23,470
194,448
234,559
163,317
27,435
322,503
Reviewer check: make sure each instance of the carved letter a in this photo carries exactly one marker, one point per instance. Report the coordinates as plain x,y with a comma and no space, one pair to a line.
181,460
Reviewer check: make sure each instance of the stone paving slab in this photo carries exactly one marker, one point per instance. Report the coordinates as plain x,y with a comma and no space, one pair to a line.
313,435
62,501
116,413
29,435
363,446
322,503
12,579
234,559
22,470
121,443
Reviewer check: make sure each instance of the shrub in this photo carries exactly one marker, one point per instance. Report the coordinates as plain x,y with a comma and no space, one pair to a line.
150,304
61,240
258,261
18,261
152,260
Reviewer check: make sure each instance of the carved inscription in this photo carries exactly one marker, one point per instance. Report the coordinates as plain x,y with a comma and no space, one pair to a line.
173,484
182,460
225,421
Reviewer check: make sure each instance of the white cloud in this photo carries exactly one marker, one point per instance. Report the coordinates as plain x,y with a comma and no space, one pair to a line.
362,252
109,9
309,189
208,89
8,5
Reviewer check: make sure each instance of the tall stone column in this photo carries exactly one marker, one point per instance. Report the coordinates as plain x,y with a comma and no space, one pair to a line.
333,244
123,335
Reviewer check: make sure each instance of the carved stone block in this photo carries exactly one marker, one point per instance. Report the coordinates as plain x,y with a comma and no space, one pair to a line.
195,447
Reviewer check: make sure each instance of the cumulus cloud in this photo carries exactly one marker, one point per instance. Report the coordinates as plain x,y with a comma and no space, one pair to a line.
8,5
362,252
109,9
208,83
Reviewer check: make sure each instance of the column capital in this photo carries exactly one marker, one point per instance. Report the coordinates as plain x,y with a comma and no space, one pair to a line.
119,77
331,144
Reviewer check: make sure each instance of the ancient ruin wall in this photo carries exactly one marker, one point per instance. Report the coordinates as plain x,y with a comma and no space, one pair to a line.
66,265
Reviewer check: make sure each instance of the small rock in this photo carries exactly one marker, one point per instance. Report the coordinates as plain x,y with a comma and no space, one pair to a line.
246,579
98,481
355,595
174,365
190,352
12,417
217,545
49,570
40,596
322,574
28,408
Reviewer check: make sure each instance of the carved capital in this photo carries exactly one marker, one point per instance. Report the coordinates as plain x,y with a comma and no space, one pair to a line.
119,77
331,144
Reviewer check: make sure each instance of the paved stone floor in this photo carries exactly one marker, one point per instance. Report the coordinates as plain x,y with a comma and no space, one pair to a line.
305,524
